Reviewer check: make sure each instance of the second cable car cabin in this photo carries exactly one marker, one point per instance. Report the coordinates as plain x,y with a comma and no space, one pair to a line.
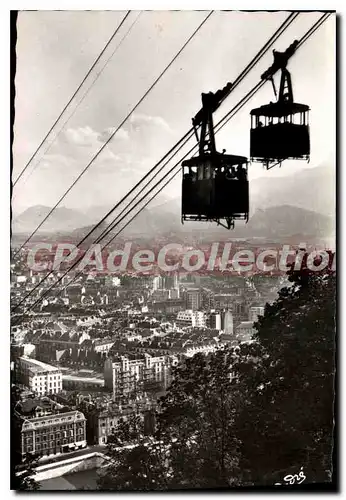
280,130
215,185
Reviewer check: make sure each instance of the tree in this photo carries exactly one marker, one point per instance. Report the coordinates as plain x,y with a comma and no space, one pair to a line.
193,445
196,419
22,479
245,415
137,462
287,381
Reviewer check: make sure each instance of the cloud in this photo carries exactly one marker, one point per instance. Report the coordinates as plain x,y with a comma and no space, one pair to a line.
86,136
138,120
82,143
121,134
82,136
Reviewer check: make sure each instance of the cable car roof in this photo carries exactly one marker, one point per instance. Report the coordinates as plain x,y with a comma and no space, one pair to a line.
279,109
217,160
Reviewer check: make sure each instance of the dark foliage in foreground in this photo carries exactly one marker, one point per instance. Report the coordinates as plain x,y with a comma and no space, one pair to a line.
248,415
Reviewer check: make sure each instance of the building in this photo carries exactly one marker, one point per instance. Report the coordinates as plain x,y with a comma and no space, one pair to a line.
169,306
214,321
174,293
157,283
192,349
191,318
122,374
50,434
29,350
255,312
66,340
103,345
155,372
18,334
171,282
223,300
136,373
244,331
78,383
103,422
208,301
39,377
193,298
160,295
240,311
227,322
74,293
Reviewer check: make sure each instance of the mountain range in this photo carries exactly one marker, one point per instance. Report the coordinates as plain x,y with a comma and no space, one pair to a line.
300,204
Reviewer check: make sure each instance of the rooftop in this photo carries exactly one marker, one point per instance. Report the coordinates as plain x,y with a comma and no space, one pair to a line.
76,378
30,405
245,324
38,366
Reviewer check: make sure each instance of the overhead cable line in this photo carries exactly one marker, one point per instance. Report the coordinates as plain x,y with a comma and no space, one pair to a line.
113,134
288,21
105,144
112,225
291,17
238,80
219,126
178,164
83,96
73,96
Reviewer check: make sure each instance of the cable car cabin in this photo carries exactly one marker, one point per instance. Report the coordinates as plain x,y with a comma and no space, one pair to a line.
280,131
215,185
215,188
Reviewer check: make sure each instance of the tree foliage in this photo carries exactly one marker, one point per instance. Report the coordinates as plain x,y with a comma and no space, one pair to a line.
23,477
246,415
286,420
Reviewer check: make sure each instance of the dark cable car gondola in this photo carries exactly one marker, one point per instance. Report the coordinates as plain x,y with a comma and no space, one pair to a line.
280,130
215,185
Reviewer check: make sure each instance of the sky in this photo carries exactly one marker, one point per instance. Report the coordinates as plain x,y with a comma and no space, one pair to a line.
55,49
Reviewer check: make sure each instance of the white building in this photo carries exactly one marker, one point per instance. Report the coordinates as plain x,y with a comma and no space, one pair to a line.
122,373
191,318
125,374
103,345
255,312
227,322
174,293
39,377
157,365
245,330
214,320
157,283
191,350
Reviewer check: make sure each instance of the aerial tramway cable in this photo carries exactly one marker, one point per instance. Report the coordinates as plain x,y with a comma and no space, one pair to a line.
242,75
82,98
105,144
284,26
238,80
73,96
113,134
220,125
185,139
